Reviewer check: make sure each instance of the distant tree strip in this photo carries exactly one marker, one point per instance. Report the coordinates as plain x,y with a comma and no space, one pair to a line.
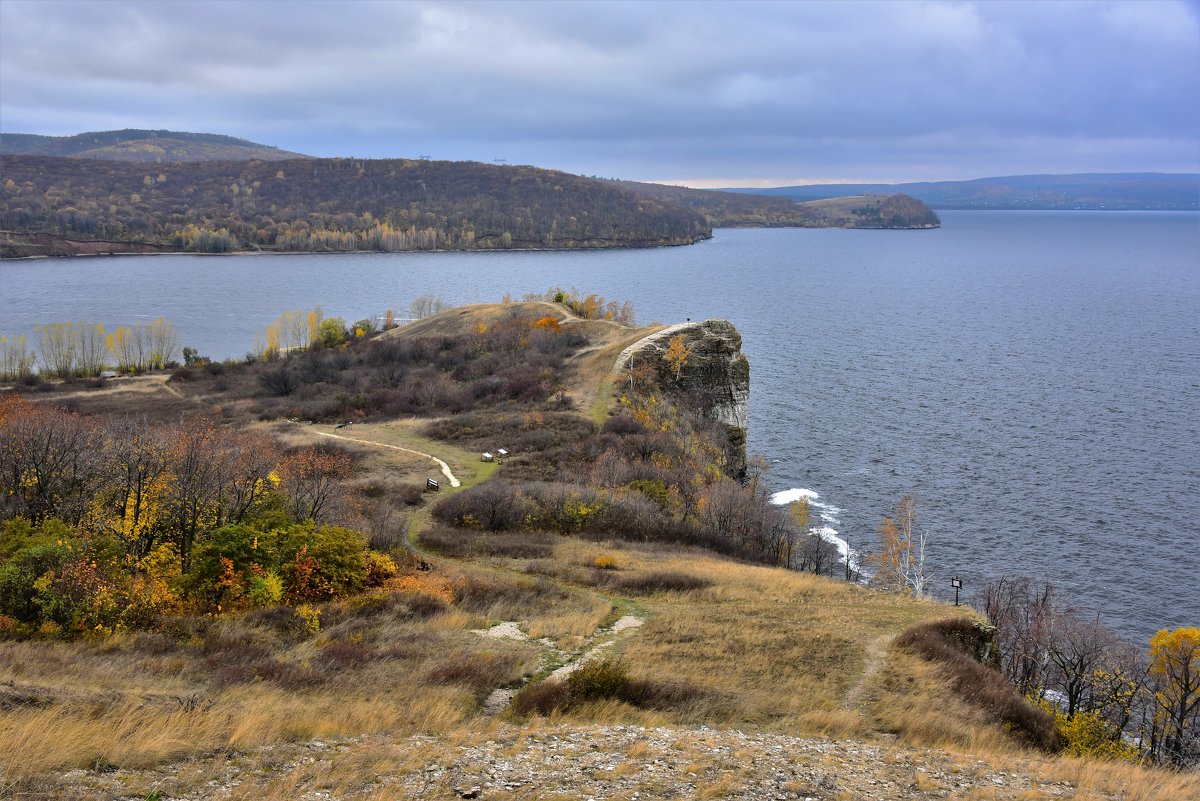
327,205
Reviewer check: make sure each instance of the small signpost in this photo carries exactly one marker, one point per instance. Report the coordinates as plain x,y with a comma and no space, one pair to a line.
431,485
956,583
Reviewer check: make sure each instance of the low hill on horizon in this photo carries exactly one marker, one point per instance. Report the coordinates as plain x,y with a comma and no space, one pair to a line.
137,190
1084,191
133,144
727,209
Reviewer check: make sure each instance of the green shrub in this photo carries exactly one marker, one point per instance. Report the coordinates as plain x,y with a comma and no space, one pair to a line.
598,679
244,565
264,589
320,562
1088,734
18,534
18,596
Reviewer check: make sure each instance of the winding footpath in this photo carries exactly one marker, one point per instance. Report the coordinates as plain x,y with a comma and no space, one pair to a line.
597,643
454,482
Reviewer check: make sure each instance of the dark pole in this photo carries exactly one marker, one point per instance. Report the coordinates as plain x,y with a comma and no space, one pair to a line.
956,583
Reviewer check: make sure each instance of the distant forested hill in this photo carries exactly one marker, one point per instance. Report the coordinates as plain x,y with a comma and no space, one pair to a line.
141,145
1110,191
328,204
726,209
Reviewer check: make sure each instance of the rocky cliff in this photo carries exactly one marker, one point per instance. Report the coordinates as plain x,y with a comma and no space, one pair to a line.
714,372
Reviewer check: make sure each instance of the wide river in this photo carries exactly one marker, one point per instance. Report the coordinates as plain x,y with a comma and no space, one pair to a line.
1034,377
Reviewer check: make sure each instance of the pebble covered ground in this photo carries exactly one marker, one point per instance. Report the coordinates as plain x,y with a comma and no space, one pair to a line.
579,763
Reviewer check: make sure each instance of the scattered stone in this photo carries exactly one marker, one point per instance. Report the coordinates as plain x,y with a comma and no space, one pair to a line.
508,630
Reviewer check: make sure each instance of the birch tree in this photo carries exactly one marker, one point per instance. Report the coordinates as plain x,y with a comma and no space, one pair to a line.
900,563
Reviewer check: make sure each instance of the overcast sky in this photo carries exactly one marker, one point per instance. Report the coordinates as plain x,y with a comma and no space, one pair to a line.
704,93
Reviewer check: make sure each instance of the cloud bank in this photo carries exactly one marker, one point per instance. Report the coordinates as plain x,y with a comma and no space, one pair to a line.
705,93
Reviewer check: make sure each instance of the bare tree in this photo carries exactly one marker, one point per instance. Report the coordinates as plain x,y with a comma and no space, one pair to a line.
1075,651
48,461
58,348
162,342
426,306
312,483
1022,611
91,346
16,359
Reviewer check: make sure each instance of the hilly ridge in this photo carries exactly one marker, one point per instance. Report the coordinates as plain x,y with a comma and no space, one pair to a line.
155,190
1089,191
746,210
133,144
327,205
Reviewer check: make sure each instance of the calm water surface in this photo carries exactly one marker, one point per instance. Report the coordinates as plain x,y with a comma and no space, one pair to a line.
1033,376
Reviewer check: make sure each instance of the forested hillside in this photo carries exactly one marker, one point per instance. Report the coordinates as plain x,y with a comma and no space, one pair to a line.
140,145
328,204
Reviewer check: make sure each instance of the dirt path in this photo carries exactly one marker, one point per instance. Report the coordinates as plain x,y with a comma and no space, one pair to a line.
876,651
625,355
597,643
454,482
169,387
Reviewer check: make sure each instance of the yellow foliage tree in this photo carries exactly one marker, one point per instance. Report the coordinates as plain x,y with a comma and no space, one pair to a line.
1175,670
677,354
900,562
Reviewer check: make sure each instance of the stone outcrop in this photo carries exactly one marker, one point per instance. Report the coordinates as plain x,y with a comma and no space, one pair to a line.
715,372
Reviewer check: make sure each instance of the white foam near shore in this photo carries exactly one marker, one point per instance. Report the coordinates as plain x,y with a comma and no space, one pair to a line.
829,514
830,535
792,495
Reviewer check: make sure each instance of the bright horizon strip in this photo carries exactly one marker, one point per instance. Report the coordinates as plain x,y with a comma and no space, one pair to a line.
770,183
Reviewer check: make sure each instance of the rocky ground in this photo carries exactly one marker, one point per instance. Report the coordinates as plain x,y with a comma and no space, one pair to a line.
559,762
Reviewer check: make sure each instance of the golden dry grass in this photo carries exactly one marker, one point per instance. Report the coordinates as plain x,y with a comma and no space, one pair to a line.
569,627
775,647
1125,780
120,703
911,698
131,733
772,649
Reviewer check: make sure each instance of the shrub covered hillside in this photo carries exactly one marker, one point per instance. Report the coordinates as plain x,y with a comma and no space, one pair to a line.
115,523
331,205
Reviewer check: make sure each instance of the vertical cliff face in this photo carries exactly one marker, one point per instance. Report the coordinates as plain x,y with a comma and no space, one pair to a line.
715,372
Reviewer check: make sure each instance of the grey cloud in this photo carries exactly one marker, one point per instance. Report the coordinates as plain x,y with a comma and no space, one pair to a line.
672,90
